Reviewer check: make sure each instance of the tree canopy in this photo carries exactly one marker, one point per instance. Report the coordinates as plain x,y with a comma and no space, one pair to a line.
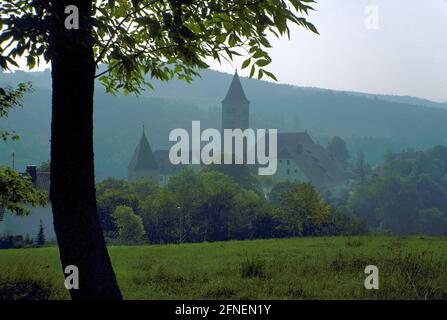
130,225
10,99
338,150
164,39
407,195
16,190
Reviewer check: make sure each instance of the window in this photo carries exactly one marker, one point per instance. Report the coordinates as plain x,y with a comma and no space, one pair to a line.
288,171
288,162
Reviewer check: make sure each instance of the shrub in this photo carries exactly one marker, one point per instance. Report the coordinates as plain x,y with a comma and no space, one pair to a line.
130,226
11,242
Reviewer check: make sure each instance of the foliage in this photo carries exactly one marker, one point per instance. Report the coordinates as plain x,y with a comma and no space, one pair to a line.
17,191
108,202
240,173
112,193
212,206
338,150
44,166
360,170
11,242
343,223
130,226
140,189
207,203
220,208
161,38
10,99
163,218
409,195
301,209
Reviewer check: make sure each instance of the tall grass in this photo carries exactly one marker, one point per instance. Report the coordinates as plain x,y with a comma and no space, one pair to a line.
306,268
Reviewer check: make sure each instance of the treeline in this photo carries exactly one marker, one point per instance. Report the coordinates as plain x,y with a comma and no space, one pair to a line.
213,206
407,195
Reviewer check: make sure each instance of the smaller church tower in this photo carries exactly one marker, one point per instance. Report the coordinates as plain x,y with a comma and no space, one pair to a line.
143,165
235,107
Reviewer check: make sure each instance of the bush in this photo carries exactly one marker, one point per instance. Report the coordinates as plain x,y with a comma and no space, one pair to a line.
130,226
12,242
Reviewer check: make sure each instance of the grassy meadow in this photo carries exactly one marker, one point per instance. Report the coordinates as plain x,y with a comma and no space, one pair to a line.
299,268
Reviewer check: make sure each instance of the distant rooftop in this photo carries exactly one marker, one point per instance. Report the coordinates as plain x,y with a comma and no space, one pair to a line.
236,93
143,157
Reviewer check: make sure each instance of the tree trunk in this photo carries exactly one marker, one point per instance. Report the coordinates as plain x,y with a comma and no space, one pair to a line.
72,194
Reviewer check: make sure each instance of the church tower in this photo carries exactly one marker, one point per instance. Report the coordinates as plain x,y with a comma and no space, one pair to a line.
143,165
235,107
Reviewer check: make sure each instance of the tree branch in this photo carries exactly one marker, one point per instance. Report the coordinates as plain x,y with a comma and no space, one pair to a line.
135,55
104,50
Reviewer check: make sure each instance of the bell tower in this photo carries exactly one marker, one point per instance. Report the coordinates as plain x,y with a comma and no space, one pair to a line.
235,107
143,165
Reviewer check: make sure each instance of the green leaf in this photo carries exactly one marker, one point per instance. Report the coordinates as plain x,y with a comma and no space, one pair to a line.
263,63
252,71
246,63
270,75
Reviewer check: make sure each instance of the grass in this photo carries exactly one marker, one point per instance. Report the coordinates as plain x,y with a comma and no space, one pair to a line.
301,268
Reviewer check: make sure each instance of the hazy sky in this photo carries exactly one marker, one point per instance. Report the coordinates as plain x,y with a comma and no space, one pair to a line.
406,55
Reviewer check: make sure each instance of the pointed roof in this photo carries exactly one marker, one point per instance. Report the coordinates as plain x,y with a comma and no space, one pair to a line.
143,158
236,93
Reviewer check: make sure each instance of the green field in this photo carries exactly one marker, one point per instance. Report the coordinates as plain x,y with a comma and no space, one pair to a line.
301,268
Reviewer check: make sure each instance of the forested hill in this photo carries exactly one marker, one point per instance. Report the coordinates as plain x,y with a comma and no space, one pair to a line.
372,123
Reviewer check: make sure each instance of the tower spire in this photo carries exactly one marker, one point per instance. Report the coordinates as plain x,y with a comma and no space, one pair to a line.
236,93
235,106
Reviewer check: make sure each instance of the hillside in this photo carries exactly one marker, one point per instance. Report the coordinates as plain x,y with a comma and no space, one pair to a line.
374,124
